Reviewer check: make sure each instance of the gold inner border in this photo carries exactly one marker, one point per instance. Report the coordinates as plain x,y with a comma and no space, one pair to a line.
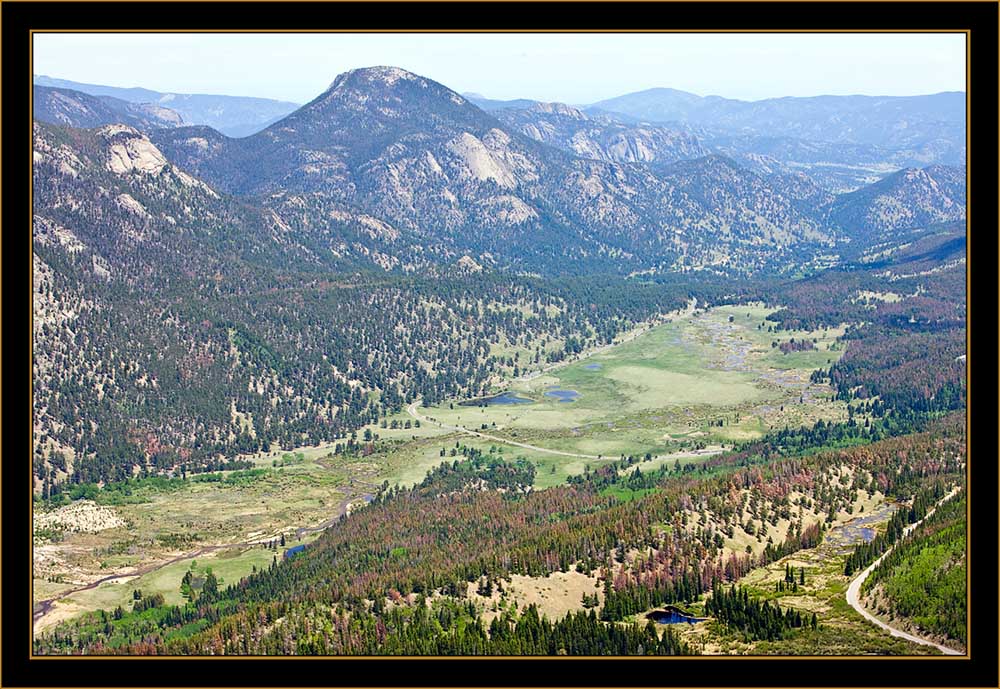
968,396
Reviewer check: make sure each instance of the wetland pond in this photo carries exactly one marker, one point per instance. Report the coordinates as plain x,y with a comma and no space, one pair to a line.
502,398
593,367
672,615
859,530
562,395
294,550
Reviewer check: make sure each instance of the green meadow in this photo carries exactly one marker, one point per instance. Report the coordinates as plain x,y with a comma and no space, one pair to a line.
680,390
706,380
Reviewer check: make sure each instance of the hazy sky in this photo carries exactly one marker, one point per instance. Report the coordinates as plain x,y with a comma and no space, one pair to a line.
571,68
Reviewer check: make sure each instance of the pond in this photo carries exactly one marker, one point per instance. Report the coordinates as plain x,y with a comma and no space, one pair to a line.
861,529
673,616
502,398
593,367
563,395
294,550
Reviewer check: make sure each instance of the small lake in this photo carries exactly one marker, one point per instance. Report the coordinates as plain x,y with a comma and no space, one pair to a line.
502,398
294,550
563,395
671,616
593,367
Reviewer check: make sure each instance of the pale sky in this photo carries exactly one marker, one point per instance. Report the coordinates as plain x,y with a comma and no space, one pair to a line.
571,68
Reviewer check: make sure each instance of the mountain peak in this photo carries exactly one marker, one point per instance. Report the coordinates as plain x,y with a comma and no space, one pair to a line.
375,85
558,109
380,75
385,74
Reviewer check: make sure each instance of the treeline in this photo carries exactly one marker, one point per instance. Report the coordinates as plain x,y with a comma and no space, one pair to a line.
904,353
190,363
424,540
924,577
756,619
482,471
175,325
641,588
793,345
134,490
448,627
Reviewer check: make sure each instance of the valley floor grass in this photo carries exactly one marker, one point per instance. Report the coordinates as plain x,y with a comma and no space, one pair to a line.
664,391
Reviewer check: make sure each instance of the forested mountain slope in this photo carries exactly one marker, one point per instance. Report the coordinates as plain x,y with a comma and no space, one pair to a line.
906,200
420,157
293,285
364,586
234,115
77,109
600,137
173,323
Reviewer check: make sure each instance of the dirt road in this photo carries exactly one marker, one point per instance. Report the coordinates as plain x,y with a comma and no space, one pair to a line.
412,411
43,607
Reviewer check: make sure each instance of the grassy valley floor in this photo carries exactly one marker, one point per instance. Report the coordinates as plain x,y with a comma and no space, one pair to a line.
677,392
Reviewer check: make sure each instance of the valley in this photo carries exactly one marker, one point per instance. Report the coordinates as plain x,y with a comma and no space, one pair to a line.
402,371
660,390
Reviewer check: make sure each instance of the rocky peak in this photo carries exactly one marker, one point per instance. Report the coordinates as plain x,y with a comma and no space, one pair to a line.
113,132
558,109
377,101
130,151
371,82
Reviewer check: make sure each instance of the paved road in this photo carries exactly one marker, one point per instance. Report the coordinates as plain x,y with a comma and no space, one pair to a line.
854,590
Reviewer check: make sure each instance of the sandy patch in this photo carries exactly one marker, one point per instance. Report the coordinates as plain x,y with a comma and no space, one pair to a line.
82,516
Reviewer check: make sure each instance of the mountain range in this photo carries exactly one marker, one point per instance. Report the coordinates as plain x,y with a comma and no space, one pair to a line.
894,122
231,115
82,110
306,277
203,301
395,166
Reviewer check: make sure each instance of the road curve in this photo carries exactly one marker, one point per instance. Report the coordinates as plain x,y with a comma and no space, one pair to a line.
854,591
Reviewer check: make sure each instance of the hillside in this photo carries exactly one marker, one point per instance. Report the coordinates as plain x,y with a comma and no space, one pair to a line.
422,158
400,375
233,115
600,137
906,200
78,109
390,186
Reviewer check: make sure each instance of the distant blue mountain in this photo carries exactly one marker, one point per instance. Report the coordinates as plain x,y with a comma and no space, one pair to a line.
234,116
894,122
